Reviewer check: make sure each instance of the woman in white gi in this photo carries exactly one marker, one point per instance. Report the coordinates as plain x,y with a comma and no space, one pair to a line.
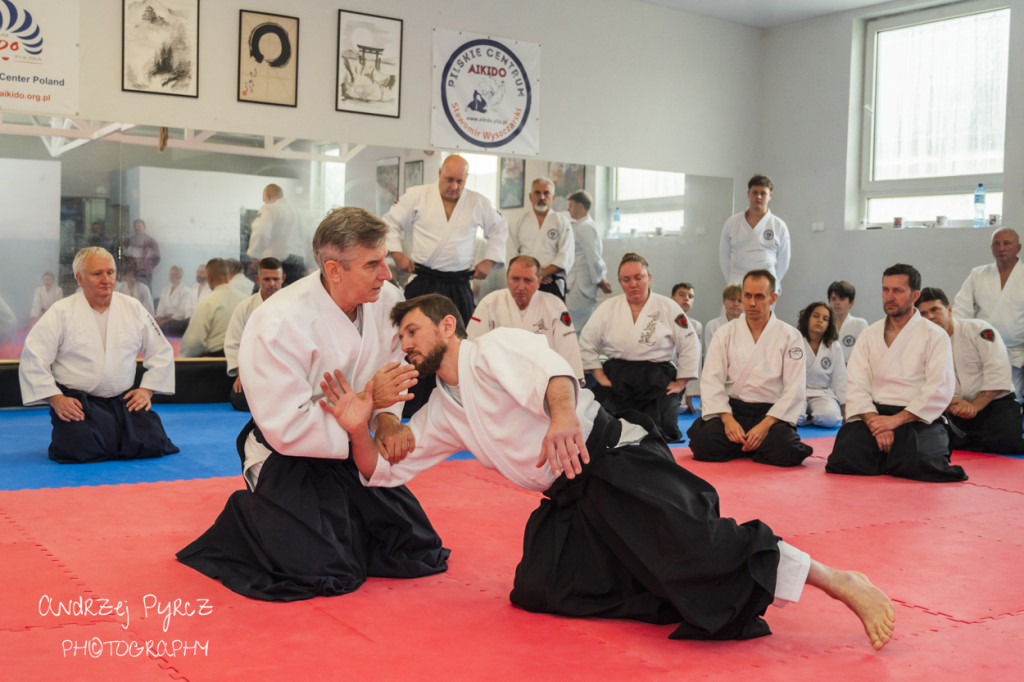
651,348
826,367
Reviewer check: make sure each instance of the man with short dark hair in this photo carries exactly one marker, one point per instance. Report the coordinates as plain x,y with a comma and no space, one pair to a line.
204,336
841,295
753,386
523,306
756,238
683,293
80,357
899,382
545,235
588,271
270,275
983,416
305,526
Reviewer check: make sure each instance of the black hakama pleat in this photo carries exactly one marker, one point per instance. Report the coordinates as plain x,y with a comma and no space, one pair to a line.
310,528
640,385
637,536
108,432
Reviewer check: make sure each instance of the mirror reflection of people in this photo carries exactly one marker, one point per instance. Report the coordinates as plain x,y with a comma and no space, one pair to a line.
270,276
202,288
204,336
8,322
97,237
132,286
277,233
44,297
80,358
142,251
547,236
176,303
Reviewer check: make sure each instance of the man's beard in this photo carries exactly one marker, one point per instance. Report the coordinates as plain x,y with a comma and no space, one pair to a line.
431,362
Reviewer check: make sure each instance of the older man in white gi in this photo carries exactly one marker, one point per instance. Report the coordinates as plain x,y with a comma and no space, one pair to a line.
983,416
995,293
588,272
899,382
442,221
623,531
523,306
80,358
277,233
545,235
270,276
753,386
756,239
307,527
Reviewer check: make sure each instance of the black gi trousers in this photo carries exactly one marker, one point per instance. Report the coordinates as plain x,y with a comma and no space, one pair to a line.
782,446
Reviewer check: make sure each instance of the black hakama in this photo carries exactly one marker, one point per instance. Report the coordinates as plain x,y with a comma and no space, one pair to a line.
640,385
919,451
782,446
637,536
109,431
996,428
310,528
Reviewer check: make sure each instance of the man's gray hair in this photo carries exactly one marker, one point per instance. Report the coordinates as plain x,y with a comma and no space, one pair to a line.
344,228
544,179
90,252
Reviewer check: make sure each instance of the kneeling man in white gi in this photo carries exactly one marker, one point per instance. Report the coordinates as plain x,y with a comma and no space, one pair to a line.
80,358
753,386
523,306
984,415
623,531
898,383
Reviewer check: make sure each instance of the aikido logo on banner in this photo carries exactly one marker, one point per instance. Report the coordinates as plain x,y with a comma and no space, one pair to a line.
39,56
21,39
485,94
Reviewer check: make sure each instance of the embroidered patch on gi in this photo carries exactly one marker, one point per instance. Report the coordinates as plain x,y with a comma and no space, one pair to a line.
566,320
682,321
795,353
988,335
826,363
769,235
552,234
848,340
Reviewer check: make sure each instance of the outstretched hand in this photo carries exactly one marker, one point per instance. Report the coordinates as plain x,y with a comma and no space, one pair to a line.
563,448
350,409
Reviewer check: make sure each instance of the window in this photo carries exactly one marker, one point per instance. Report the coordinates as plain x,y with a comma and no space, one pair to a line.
935,112
648,201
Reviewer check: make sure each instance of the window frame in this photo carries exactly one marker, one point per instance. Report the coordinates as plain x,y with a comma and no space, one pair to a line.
664,204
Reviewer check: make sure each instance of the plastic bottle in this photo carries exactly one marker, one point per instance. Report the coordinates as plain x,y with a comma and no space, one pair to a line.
617,220
979,207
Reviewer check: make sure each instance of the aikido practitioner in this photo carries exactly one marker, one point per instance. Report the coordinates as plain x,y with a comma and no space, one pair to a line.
651,347
80,357
306,526
841,295
523,306
270,276
753,386
547,236
899,382
826,367
623,531
756,239
984,415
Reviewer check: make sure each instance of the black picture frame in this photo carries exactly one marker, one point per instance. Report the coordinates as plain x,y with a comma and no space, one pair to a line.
259,80
369,76
152,60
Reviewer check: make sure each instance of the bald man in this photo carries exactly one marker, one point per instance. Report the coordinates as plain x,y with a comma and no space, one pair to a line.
995,293
277,233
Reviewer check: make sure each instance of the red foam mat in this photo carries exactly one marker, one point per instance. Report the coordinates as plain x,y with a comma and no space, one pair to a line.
946,554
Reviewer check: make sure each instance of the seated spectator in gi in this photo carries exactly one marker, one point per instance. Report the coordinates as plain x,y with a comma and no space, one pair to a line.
652,350
840,298
271,278
238,278
176,303
44,297
683,294
826,367
80,358
523,306
8,322
732,304
984,415
899,382
754,385
205,334
132,286
202,288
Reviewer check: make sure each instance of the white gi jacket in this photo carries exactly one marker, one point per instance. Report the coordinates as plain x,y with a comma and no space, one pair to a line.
243,283
276,232
233,336
65,347
712,327
140,292
743,249
551,243
979,360
915,372
848,333
661,333
503,379
441,243
826,371
289,342
177,302
209,322
772,370
588,267
43,299
545,315
981,297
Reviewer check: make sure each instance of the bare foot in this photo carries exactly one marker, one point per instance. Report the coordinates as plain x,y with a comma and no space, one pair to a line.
869,603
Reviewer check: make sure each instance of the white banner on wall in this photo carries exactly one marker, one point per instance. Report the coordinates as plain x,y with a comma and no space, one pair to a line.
39,56
486,94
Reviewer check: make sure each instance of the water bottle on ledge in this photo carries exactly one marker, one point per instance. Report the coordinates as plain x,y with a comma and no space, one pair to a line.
617,221
979,206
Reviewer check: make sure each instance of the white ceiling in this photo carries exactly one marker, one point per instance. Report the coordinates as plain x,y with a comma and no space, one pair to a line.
765,13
